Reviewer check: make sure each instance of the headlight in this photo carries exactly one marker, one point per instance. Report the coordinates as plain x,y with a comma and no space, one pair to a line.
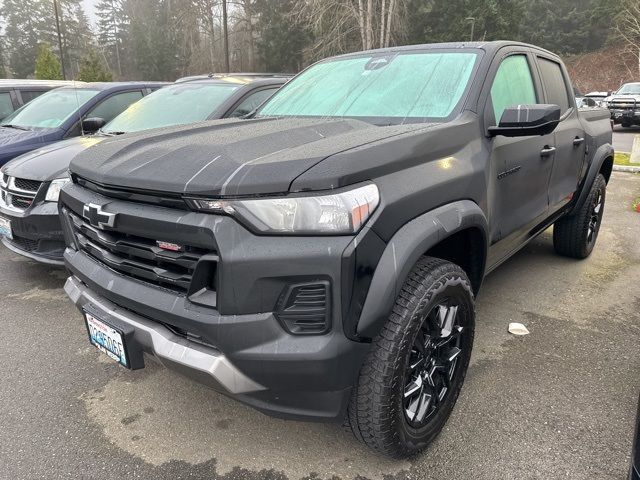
337,213
53,193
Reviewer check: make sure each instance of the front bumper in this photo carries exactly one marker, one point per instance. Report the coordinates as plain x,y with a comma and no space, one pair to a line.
306,378
37,233
169,348
625,116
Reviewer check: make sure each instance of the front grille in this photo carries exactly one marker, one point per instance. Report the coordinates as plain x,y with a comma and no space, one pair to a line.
27,185
18,193
623,104
138,257
162,199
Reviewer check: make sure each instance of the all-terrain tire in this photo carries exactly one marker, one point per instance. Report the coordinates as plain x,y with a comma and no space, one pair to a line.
575,235
377,413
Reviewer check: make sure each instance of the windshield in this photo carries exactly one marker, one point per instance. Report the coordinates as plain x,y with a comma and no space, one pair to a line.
172,105
630,89
400,86
51,109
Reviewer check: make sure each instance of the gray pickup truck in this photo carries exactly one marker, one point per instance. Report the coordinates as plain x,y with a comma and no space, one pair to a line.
624,105
320,257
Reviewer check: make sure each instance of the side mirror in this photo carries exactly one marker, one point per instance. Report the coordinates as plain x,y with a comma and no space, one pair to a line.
93,124
527,120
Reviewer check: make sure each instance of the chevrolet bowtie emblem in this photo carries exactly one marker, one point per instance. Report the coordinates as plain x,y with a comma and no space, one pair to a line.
97,217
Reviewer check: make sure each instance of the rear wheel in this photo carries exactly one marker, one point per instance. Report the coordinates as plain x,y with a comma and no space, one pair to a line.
576,235
413,374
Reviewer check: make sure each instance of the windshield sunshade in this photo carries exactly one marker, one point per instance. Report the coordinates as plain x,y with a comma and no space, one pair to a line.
172,105
412,85
51,109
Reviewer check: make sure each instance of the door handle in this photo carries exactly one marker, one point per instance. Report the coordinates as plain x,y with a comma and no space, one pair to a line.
547,151
578,141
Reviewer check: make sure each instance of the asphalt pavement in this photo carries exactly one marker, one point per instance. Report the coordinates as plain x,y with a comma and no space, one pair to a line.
623,138
558,403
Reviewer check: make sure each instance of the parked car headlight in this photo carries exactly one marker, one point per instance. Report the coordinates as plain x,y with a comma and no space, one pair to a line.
53,193
336,213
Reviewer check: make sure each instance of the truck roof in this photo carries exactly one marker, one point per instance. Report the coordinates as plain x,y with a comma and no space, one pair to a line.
490,47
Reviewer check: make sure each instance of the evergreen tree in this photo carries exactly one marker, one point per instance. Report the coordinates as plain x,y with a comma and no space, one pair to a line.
153,37
281,42
3,71
93,68
47,64
456,20
23,20
113,28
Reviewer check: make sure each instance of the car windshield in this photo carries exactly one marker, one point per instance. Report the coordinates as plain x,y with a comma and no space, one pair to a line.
630,89
51,109
172,105
394,88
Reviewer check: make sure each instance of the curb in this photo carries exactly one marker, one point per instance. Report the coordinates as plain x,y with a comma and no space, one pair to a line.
622,168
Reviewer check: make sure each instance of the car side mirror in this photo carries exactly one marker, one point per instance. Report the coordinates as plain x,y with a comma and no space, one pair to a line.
93,124
527,120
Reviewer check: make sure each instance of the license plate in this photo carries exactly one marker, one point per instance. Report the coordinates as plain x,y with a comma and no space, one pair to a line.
5,228
109,340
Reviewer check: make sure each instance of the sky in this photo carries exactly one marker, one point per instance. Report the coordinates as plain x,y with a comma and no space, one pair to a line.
89,8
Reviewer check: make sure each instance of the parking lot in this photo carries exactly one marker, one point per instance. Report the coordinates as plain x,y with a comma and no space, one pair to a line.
558,403
623,138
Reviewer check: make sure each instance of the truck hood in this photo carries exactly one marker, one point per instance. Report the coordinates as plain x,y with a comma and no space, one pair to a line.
622,98
225,157
50,162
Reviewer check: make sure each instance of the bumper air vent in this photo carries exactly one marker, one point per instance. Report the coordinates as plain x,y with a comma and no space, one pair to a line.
304,308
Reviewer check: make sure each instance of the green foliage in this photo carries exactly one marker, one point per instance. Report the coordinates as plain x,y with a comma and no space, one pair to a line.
453,20
281,41
93,68
47,64
164,39
153,41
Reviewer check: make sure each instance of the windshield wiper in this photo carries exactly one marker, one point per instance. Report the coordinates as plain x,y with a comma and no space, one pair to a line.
17,127
110,134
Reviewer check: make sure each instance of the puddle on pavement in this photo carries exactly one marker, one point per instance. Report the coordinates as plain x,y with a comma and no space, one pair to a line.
158,416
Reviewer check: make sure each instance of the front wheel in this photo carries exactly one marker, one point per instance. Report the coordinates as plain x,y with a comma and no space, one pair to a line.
412,376
576,235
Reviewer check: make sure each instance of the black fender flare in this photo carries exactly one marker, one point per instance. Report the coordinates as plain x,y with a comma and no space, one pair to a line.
602,153
404,249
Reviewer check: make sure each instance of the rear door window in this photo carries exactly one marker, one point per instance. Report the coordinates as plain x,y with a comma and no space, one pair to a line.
512,85
252,101
28,95
554,83
6,105
114,105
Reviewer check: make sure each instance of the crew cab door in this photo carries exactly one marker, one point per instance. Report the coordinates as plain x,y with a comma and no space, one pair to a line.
520,167
570,139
